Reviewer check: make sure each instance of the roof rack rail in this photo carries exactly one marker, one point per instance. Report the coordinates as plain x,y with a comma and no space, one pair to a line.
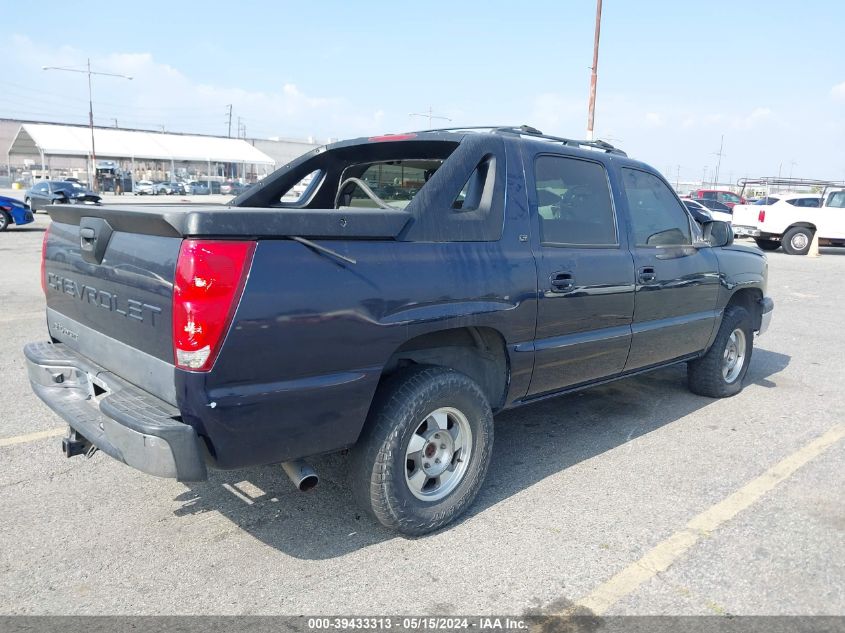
778,181
527,130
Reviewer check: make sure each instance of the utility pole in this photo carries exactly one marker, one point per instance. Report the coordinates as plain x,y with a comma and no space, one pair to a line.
594,69
678,178
429,115
792,164
115,122
718,161
229,107
89,72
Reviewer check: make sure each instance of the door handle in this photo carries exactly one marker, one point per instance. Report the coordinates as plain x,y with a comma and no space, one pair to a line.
646,274
562,282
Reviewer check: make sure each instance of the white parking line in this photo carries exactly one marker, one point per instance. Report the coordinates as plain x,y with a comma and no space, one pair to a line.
31,437
664,554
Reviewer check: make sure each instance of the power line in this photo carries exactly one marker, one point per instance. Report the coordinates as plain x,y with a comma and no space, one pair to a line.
429,115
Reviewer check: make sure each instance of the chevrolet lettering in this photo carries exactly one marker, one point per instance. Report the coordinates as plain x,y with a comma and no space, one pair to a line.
130,308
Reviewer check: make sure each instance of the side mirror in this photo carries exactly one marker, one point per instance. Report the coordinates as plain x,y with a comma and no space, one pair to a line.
718,233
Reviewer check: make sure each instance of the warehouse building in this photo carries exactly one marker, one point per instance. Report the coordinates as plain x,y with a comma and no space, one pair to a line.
47,150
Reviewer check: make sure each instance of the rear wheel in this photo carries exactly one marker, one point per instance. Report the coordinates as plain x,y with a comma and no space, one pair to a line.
797,240
719,373
5,220
425,451
767,245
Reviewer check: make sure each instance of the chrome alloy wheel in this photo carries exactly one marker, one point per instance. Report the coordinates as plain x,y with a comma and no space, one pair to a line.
799,241
734,357
438,454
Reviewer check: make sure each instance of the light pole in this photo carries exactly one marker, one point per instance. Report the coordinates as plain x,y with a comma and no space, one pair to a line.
429,115
89,72
594,69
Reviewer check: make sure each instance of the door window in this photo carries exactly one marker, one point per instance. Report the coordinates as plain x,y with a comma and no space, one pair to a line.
41,187
836,200
657,217
573,202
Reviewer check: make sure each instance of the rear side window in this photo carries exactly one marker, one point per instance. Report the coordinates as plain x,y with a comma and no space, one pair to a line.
805,202
657,217
573,202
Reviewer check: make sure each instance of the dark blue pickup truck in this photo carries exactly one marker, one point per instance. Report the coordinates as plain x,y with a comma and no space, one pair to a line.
386,295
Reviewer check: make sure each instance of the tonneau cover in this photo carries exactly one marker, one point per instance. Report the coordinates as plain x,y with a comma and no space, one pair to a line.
224,221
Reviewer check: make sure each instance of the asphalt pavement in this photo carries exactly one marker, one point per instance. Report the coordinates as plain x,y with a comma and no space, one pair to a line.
589,499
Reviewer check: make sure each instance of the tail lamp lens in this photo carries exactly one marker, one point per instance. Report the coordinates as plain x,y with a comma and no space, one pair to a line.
761,217
210,277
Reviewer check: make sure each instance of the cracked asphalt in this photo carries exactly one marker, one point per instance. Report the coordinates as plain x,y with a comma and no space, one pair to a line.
580,489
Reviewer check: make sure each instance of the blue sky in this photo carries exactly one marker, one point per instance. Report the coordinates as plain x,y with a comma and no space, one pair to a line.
673,76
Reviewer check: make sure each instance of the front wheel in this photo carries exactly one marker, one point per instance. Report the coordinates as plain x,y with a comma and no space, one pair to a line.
425,450
767,245
719,373
796,241
5,221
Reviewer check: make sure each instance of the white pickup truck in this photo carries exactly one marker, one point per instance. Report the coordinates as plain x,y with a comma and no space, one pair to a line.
791,221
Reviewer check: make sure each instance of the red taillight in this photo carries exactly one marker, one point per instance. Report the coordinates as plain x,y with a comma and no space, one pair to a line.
761,217
210,277
44,259
392,137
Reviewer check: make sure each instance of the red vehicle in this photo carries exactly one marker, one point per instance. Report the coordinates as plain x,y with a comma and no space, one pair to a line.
722,195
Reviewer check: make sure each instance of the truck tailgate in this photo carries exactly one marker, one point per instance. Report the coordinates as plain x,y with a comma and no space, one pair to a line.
109,297
746,214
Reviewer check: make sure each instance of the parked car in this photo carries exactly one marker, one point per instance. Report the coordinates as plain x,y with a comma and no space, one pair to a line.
172,188
792,220
197,188
143,188
524,267
720,195
233,188
160,188
13,211
701,211
47,192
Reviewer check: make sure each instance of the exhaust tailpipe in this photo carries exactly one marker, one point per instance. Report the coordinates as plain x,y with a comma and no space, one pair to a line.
301,474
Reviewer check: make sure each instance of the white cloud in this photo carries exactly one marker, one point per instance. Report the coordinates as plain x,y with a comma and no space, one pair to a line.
757,116
162,95
653,119
838,91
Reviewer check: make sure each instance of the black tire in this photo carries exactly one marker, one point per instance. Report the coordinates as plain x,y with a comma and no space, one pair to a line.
705,375
379,463
767,245
5,221
796,241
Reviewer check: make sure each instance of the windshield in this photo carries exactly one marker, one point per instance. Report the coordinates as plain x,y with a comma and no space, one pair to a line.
73,187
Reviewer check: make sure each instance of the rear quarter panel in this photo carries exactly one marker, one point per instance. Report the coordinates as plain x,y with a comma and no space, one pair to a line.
312,334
